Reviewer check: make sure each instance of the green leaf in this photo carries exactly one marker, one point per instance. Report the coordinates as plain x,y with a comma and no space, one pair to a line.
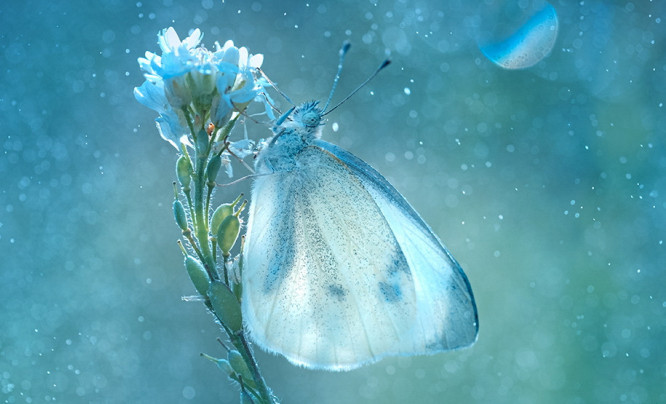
226,306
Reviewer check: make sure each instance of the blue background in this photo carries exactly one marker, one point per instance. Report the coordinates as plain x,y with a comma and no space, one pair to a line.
547,184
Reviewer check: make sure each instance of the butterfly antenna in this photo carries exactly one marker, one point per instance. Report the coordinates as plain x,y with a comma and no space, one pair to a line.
275,87
241,179
243,113
372,76
249,168
343,51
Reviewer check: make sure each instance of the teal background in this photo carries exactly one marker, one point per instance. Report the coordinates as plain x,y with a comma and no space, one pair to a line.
547,184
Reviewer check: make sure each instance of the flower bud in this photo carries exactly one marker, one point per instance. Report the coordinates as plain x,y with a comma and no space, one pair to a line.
198,275
184,171
221,363
177,92
226,306
239,366
202,141
228,233
201,81
179,215
225,366
222,211
221,110
213,168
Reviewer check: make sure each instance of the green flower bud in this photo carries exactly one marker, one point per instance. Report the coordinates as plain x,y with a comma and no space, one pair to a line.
225,366
226,306
202,141
221,213
224,210
240,367
179,215
184,171
228,233
202,85
198,275
221,363
213,168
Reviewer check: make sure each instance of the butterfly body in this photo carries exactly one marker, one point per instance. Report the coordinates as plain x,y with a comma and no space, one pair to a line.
339,270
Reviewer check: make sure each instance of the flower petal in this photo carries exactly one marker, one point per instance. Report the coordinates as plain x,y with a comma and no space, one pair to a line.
170,128
242,148
168,40
152,95
256,60
193,40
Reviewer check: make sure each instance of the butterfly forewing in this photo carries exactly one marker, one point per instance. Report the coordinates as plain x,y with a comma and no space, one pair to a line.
446,307
341,271
327,285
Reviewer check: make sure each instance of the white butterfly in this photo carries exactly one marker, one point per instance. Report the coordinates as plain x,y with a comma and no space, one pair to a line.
338,269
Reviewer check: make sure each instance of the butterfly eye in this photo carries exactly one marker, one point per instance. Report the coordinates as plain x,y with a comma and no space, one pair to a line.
311,119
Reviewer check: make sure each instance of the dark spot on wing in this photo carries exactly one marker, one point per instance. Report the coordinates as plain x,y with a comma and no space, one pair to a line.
337,291
399,265
390,292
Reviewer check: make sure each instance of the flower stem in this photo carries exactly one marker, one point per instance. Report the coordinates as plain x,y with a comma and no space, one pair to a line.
200,203
240,342
200,222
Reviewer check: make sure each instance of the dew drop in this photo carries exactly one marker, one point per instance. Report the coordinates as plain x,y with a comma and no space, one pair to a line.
519,36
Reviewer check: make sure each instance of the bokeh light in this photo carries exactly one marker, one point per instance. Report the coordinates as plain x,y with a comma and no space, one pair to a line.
531,41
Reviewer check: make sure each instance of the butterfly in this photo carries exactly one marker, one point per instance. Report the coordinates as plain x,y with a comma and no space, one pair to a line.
338,269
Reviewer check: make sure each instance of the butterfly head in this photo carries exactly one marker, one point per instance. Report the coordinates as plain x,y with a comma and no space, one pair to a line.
306,119
308,115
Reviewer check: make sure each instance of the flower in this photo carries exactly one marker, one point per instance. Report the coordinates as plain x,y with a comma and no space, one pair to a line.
242,148
171,127
235,82
189,86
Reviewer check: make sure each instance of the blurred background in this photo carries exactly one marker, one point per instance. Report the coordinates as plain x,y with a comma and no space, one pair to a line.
547,182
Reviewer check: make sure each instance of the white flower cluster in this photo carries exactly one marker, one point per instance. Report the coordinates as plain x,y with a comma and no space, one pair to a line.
190,86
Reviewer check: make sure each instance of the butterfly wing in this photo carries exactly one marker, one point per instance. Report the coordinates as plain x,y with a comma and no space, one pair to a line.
340,271
446,306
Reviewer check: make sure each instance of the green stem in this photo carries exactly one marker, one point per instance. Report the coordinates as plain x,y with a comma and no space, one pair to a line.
199,204
190,205
200,216
227,260
190,124
194,245
208,197
200,213
240,342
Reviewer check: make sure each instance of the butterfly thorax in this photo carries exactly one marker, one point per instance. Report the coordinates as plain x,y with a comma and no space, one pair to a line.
291,134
